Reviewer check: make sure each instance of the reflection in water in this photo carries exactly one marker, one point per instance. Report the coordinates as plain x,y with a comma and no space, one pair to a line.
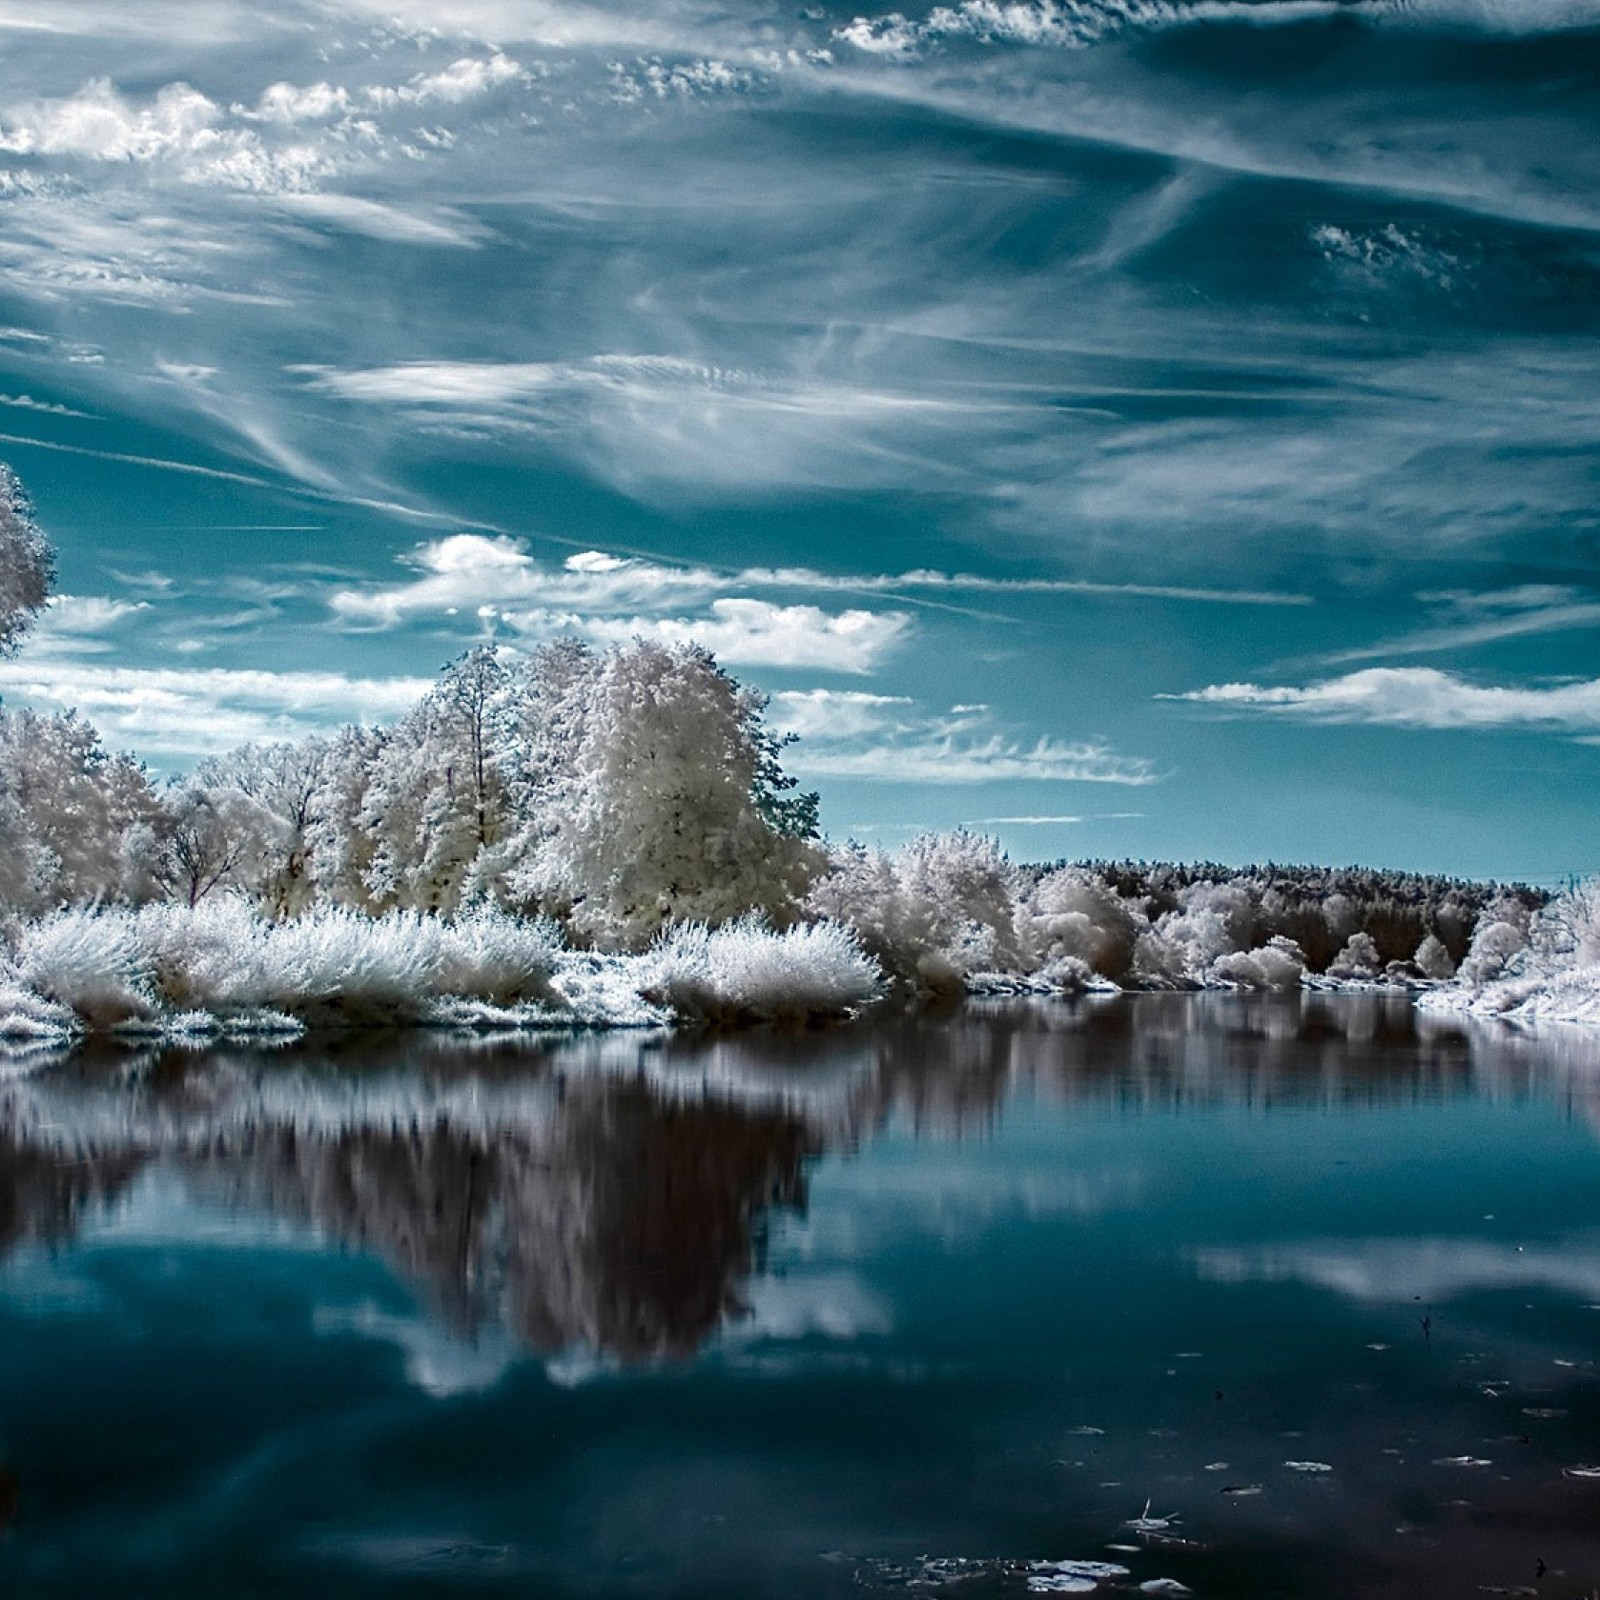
613,1193
997,1295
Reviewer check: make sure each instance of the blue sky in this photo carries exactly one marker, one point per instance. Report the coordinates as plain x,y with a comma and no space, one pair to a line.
1133,427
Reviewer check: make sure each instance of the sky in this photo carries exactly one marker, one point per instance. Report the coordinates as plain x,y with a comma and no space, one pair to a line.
1152,428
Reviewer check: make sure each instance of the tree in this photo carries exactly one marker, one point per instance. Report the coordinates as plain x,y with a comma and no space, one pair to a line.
27,565
283,780
665,815
436,797
217,837
77,824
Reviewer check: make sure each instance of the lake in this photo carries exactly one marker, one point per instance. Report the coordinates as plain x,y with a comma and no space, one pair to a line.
1257,1297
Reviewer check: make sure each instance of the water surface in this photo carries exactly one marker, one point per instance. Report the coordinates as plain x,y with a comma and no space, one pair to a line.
1264,1297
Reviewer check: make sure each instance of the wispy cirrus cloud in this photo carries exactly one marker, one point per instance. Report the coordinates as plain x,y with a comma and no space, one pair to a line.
1464,619
891,739
471,571
179,713
1412,697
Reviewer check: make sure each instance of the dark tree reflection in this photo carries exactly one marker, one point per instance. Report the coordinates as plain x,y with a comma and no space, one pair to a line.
614,1193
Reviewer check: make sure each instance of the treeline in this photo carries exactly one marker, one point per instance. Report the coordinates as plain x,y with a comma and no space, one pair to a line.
626,802
615,793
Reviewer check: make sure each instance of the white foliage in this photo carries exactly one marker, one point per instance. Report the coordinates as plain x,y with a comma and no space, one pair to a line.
661,819
1278,964
940,909
490,955
1074,913
745,971
1494,945
1358,958
1533,967
91,961
26,563
1433,960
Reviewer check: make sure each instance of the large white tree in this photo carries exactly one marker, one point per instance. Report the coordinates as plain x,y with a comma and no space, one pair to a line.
672,811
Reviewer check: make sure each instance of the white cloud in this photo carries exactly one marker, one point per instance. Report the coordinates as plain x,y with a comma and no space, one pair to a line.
1020,822
1405,1270
950,759
1077,24
436,225
73,623
750,633
1413,697
98,124
289,103
26,402
465,79
833,713
1468,620
468,571
184,713
888,738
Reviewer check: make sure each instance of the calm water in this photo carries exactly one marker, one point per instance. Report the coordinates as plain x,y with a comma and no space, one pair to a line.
1311,1287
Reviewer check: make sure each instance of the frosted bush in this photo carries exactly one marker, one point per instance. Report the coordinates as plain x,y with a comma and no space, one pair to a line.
928,915
1433,960
745,971
1073,913
26,1016
1359,958
1566,932
338,962
1278,964
210,957
91,961
489,955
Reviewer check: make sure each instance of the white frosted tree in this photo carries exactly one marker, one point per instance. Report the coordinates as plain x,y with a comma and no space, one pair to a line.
217,836
669,813
283,780
538,723
27,566
80,824
341,845
436,795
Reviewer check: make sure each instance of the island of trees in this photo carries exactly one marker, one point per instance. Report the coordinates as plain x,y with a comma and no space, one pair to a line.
566,836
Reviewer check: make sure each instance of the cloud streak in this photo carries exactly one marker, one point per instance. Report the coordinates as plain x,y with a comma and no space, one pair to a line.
1412,697
184,713
890,739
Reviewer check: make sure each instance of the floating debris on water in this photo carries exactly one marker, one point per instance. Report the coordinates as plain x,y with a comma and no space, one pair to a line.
1038,1577
1241,1488
1462,1461
1146,1523
1308,1466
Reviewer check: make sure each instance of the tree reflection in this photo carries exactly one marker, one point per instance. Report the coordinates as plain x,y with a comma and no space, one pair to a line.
615,1193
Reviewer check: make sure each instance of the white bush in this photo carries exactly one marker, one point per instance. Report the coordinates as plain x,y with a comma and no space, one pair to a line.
488,955
1072,913
1278,964
939,909
91,961
1358,959
1433,960
745,971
